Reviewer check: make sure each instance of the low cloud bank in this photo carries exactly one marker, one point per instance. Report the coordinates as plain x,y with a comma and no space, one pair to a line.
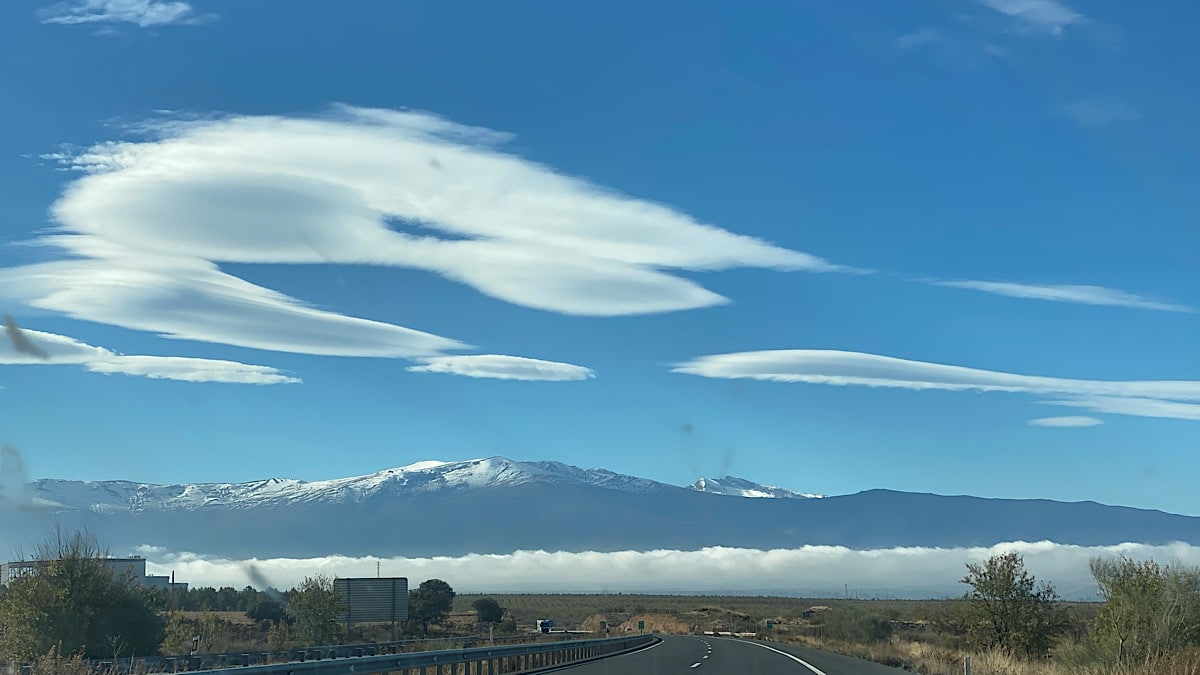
816,571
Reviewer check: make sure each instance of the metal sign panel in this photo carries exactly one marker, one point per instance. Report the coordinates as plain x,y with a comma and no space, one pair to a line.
373,599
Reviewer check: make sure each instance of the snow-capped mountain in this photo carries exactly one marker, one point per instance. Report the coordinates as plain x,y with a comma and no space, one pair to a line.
497,505
740,487
111,497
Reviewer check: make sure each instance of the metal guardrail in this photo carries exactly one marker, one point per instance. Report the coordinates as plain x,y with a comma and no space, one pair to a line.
188,663
481,660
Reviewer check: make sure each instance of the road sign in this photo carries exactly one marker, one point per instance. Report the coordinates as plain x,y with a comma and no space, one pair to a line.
641,625
770,625
366,599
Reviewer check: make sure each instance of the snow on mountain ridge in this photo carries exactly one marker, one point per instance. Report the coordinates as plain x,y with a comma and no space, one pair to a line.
740,487
110,497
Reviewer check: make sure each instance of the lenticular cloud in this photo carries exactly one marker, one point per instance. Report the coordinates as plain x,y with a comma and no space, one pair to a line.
148,222
1147,398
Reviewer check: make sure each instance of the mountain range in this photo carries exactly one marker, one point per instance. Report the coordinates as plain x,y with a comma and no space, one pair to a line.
497,505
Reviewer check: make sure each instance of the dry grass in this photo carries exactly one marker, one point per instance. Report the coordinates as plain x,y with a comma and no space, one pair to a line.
928,659
233,618
54,663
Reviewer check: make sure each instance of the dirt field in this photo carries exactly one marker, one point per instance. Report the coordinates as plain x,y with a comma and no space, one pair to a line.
236,618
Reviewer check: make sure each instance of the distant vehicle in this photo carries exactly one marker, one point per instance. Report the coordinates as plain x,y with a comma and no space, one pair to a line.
543,625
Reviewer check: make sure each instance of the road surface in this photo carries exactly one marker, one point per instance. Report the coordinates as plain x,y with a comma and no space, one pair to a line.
705,655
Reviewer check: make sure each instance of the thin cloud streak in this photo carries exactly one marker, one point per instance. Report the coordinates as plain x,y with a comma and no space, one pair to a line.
63,350
818,571
142,13
844,368
918,38
1042,16
1140,407
1083,294
190,299
1066,422
1100,113
501,367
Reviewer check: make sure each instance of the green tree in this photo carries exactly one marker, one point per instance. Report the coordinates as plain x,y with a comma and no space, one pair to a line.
429,604
1149,609
75,601
1009,609
488,610
264,608
314,606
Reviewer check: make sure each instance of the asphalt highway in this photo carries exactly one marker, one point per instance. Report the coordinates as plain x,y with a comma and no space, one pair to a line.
704,655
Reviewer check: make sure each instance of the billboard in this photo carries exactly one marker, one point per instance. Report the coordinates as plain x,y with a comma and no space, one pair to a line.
373,599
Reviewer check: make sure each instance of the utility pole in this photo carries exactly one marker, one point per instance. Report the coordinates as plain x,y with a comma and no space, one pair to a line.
376,569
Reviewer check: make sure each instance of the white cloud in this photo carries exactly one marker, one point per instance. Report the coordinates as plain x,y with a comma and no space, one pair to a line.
1076,293
143,13
1100,113
1141,407
1043,16
1069,421
918,38
949,49
502,367
816,366
818,571
192,299
60,349
147,224
819,366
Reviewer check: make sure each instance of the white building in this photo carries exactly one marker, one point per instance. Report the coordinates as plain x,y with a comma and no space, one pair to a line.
134,568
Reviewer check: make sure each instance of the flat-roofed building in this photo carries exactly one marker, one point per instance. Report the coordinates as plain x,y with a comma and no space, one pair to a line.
134,568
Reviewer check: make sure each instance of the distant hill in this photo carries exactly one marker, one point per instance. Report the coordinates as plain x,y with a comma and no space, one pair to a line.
497,505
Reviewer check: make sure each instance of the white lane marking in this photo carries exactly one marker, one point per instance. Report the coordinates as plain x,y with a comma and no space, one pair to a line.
705,656
695,665
797,659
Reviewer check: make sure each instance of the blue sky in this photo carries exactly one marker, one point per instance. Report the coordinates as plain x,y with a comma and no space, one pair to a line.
260,238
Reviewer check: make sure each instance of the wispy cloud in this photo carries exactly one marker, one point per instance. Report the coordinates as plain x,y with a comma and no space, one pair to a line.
1041,16
358,186
823,570
192,299
61,350
1100,113
1132,405
918,38
844,368
500,367
1066,422
143,13
1077,293
949,48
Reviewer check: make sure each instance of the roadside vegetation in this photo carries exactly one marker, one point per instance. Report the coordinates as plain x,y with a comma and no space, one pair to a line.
75,609
1007,622
1010,624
